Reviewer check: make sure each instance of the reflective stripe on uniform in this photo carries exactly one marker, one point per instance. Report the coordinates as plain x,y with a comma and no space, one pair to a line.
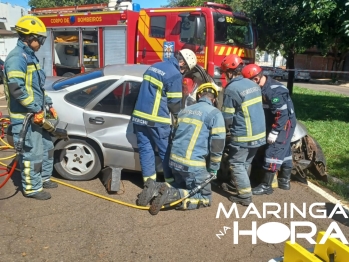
17,115
174,94
244,107
28,182
157,101
284,107
273,161
244,191
194,201
188,162
230,110
169,180
145,178
288,158
194,137
216,159
14,74
152,117
218,130
248,138
29,85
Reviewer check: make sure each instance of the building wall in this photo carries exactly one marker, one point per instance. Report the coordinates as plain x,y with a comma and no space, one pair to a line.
9,15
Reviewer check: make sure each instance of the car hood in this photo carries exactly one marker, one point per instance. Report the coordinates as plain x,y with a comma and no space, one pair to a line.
50,80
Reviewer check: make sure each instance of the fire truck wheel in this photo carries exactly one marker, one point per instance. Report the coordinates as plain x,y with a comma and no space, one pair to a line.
68,74
76,159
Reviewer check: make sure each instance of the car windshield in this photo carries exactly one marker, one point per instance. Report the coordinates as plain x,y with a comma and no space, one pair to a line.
65,82
232,30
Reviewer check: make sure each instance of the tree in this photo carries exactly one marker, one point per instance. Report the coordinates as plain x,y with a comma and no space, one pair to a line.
332,17
235,4
283,25
53,3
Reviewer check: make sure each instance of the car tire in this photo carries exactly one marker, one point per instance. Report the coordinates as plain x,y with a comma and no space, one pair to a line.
68,74
76,159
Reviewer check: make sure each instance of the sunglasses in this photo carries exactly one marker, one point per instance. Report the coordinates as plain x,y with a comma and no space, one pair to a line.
41,39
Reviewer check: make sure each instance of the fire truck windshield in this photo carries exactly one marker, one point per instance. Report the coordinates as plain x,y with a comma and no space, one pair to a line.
232,30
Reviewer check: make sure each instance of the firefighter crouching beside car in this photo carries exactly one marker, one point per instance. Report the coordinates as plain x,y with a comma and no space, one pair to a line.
280,123
23,82
244,119
160,94
196,153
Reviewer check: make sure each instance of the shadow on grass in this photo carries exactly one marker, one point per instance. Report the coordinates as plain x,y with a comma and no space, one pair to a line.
318,106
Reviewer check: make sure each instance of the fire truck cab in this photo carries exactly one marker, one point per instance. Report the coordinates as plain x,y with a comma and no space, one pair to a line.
86,37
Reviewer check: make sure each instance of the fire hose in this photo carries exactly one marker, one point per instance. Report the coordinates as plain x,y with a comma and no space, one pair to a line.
61,133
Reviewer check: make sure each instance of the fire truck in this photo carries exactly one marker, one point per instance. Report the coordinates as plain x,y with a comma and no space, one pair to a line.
86,37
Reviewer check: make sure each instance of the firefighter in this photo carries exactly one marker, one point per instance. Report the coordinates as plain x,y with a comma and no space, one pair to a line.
24,81
244,119
160,94
280,123
196,152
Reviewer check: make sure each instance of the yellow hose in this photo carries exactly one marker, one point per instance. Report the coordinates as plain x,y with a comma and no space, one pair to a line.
7,146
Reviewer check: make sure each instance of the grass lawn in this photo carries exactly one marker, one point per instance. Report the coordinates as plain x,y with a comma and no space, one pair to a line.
326,116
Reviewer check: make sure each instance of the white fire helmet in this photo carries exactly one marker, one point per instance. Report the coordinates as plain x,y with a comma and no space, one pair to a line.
189,57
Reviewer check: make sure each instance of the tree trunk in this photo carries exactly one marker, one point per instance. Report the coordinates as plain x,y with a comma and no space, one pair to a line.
290,65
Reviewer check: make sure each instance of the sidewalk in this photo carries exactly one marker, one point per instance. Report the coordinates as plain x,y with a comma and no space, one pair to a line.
327,81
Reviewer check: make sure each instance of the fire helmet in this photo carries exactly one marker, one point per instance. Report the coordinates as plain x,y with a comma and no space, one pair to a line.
231,62
31,25
207,87
251,71
189,57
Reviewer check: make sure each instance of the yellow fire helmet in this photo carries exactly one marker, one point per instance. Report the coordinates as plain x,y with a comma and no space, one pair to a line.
31,25
207,87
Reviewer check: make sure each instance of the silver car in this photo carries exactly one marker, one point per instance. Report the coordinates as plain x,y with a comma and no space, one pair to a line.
96,108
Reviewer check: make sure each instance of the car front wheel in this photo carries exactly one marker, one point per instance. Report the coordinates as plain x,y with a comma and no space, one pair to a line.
76,159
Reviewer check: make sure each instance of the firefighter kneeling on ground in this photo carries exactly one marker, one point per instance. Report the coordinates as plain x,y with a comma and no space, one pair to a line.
280,123
23,82
196,153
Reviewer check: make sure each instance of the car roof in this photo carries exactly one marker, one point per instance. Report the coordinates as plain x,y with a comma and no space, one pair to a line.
125,69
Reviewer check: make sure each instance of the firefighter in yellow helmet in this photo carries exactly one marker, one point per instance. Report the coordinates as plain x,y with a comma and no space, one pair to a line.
23,82
196,152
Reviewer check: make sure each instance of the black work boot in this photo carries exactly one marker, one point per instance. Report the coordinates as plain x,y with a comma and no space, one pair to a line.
42,195
265,186
240,200
284,178
167,195
150,190
228,187
49,184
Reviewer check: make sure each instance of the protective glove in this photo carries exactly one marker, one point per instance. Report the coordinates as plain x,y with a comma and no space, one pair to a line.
272,137
212,172
53,112
39,118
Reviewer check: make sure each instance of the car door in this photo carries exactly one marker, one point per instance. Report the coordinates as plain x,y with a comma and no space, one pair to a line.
107,121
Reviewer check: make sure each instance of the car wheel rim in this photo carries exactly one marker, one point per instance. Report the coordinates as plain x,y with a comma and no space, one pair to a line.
78,159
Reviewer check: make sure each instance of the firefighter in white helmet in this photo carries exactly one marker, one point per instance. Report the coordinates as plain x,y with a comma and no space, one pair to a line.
160,95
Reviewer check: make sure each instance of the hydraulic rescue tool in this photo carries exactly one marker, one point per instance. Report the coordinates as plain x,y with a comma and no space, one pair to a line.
48,124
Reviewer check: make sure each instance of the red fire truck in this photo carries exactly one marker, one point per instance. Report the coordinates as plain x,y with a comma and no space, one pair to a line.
85,37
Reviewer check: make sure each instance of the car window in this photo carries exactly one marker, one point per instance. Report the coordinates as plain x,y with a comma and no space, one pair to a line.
121,100
77,79
85,95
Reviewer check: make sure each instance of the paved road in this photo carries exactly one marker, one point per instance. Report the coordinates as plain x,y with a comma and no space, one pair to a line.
75,226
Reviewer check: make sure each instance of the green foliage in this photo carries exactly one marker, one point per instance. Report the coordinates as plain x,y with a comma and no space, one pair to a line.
325,116
235,4
54,3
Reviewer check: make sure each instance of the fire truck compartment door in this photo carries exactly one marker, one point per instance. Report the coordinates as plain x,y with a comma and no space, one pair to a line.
45,54
115,45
